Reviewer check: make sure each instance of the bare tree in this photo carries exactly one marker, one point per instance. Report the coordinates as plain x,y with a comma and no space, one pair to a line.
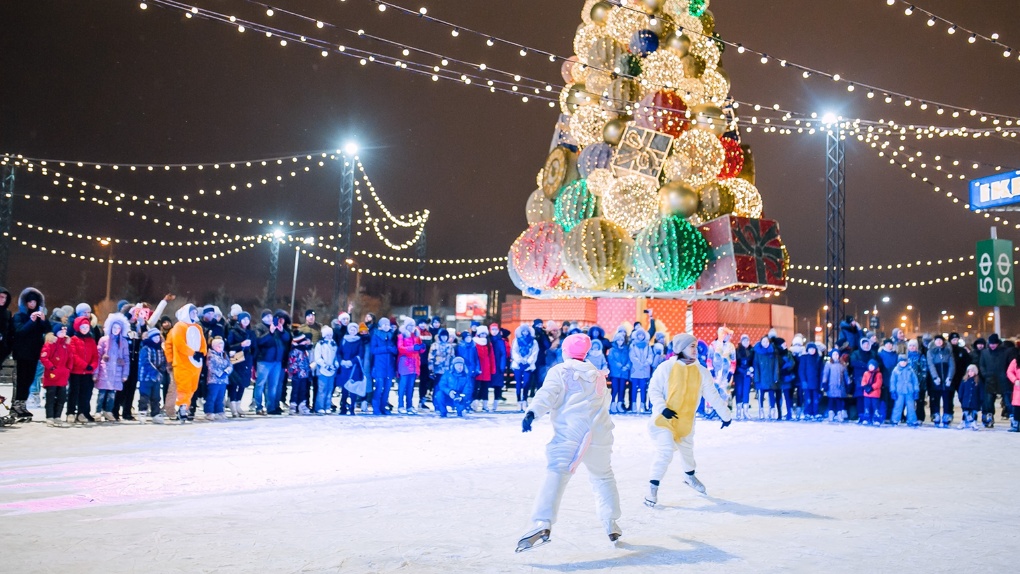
81,293
314,302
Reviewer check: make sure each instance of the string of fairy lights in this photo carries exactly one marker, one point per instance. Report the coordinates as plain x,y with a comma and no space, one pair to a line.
996,119
954,29
887,286
132,262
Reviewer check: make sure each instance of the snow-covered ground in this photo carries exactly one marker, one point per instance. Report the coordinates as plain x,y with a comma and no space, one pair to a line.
420,494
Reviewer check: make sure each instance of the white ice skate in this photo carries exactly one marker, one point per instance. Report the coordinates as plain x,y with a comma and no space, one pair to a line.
693,482
159,419
612,530
538,536
652,498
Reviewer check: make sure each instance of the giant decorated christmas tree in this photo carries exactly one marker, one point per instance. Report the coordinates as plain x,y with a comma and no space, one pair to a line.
647,189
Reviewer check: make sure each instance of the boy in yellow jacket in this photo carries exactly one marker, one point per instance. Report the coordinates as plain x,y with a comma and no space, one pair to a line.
676,388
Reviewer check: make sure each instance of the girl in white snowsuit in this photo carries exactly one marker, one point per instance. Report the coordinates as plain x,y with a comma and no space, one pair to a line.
574,394
676,389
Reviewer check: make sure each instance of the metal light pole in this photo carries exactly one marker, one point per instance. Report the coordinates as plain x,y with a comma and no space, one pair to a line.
419,283
6,215
109,267
293,283
835,225
274,266
345,227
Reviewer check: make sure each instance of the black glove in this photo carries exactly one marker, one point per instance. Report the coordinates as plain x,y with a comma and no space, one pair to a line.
869,388
668,413
198,356
526,423
88,368
725,424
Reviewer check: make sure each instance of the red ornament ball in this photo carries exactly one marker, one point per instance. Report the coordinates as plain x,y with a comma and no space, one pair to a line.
734,162
663,111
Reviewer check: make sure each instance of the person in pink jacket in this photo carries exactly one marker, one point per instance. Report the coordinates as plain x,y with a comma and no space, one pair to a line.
409,348
1013,374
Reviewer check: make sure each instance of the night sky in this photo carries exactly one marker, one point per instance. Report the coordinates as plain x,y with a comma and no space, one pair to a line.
106,81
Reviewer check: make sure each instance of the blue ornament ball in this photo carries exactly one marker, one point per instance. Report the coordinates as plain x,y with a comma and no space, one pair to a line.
595,156
644,42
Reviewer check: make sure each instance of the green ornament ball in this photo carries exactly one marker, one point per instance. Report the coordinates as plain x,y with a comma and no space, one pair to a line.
574,204
670,254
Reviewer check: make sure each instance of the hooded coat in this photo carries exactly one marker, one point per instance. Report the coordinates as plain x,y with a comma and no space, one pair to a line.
766,368
871,382
574,395
524,350
84,349
809,369
409,347
352,349
941,365
114,355
641,355
325,356
903,382
467,351
835,379
235,338
992,364
499,355
486,359
597,356
971,392
57,361
384,354
619,358
28,336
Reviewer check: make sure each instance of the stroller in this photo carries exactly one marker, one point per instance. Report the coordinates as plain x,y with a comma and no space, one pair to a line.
6,417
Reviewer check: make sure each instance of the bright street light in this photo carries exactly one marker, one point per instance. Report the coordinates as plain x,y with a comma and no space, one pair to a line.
351,148
885,299
278,233
829,118
910,307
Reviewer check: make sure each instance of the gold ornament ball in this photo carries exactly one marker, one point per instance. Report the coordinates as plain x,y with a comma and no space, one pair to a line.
692,66
717,87
663,25
716,200
707,23
583,39
603,53
597,254
746,198
588,124
574,95
677,198
679,43
661,68
632,203
600,181
710,118
620,96
612,134
599,12
697,158
651,6
623,22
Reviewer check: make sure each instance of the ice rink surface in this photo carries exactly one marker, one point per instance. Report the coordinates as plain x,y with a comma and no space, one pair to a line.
421,494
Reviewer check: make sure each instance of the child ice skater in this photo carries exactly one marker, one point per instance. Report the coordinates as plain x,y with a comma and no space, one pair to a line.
970,398
904,387
216,384
676,389
574,395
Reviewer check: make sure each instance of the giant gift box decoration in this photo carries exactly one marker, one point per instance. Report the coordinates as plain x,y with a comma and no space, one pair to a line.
647,143
745,256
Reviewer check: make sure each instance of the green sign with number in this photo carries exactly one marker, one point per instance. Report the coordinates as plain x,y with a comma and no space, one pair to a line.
995,273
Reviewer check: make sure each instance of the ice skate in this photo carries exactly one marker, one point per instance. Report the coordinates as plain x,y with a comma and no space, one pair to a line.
401,411
142,416
773,414
612,530
292,409
303,409
693,482
539,536
51,422
652,498
524,405
492,406
182,414
159,419
70,419
20,412
210,417
1014,426
109,418
82,420
761,414
947,420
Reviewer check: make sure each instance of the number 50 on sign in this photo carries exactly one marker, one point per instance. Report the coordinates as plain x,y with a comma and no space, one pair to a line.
995,273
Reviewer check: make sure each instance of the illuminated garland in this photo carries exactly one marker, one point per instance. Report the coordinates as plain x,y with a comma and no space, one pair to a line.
153,167
145,242
408,276
147,262
901,285
953,28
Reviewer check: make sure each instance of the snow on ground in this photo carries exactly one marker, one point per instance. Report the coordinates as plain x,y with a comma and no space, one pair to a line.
420,494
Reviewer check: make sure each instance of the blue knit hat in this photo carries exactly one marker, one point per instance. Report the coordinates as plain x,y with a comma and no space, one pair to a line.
243,315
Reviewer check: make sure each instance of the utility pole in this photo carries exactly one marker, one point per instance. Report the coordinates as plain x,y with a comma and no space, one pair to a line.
344,232
835,226
6,216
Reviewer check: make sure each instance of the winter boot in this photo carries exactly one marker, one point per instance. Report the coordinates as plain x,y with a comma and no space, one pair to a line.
652,498
109,418
612,530
947,420
51,422
540,535
1014,425
693,482
842,417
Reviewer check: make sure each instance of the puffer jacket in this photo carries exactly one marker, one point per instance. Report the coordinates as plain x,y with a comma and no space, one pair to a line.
971,394
641,355
219,368
872,380
84,350
941,365
57,361
992,366
903,383
619,359
524,349
441,354
28,336
809,369
409,347
325,360
114,355
835,379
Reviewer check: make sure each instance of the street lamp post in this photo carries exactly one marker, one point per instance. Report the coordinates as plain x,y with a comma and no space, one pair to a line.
274,265
345,225
109,266
293,283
